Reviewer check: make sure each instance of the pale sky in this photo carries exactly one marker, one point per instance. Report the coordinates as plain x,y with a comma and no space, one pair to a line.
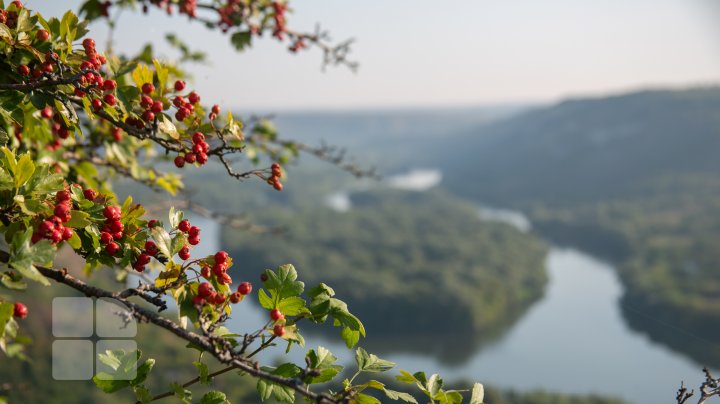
417,53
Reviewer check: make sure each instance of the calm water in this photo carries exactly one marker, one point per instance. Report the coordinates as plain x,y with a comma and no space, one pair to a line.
574,340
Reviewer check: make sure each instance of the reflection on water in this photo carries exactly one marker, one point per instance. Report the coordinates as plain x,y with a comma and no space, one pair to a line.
574,340
339,202
511,217
419,179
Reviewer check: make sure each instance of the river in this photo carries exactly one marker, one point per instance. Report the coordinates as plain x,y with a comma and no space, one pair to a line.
573,340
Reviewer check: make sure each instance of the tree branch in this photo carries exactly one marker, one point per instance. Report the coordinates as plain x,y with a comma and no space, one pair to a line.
222,354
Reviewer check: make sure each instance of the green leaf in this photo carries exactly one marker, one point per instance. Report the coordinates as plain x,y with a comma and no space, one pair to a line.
292,306
371,363
166,127
182,393
142,74
434,384
397,395
78,219
162,74
203,371
241,39
478,394
162,239
25,169
142,394
10,159
265,301
6,313
105,382
284,282
324,361
11,283
406,377
24,255
175,217
214,397
365,399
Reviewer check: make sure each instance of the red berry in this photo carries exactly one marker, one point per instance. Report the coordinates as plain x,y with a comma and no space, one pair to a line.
263,277
148,88
184,226
193,97
146,102
205,272
63,133
42,35
152,223
205,289
117,235
62,196
276,315
194,231
110,99
117,134
112,212
23,70
190,158
46,113
143,259
179,85
157,107
116,226
198,301
79,93
36,237
235,298
202,158
277,185
62,210
182,113
151,247
47,67
279,330
179,161
197,148
194,240
20,310
184,253
219,269
96,104
47,226
216,109
219,299
148,116
198,137
90,194
178,101
109,85
245,288
221,257
275,166
106,238
112,248
67,233
88,43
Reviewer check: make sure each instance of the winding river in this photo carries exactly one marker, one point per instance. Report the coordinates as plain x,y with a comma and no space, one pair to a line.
573,340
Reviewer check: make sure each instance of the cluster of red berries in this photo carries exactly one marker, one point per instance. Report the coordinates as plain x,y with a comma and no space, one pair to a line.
10,18
57,127
184,108
280,21
193,232
20,310
91,66
52,228
243,289
143,258
219,269
207,294
277,315
274,179
151,107
198,153
188,7
113,229
46,67
227,14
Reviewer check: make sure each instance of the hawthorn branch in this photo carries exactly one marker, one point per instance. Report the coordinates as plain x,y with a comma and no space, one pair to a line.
142,314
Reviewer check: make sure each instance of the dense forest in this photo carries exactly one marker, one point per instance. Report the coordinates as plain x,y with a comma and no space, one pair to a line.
417,263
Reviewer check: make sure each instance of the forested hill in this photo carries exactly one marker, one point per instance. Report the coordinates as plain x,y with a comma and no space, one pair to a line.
635,178
585,149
